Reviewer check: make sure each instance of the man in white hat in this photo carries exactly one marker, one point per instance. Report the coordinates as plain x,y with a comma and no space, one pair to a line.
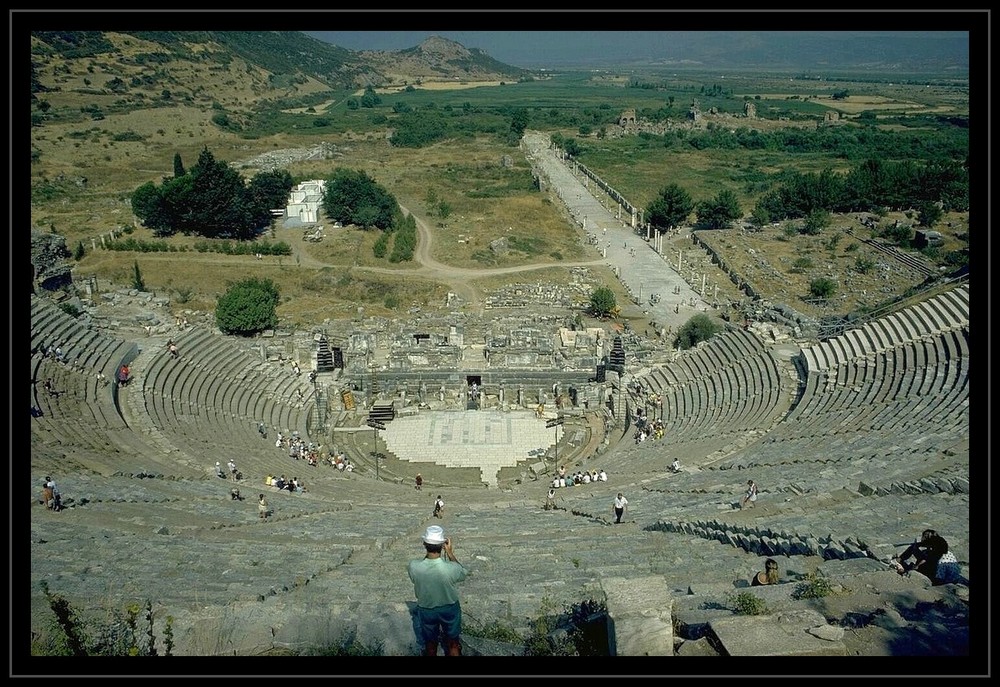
434,578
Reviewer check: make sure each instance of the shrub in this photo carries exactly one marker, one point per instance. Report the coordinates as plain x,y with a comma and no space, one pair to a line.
69,309
822,287
814,587
745,603
699,328
137,282
348,645
802,264
127,632
248,307
864,263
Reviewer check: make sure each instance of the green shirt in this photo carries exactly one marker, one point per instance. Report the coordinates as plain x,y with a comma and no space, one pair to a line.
434,581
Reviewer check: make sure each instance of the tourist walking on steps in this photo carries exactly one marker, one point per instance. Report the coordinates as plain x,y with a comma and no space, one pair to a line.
438,507
434,578
751,495
418,482
619,507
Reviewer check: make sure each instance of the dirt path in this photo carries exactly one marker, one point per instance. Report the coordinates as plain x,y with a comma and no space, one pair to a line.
460,280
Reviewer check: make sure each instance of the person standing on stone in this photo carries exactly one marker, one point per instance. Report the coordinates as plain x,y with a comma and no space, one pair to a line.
550,499
418,482
438,507
619,507
434,578
751,495
262,508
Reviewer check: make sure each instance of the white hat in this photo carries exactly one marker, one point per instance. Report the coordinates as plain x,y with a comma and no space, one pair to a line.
434,535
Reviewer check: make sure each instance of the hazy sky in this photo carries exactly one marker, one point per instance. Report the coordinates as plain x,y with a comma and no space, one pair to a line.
534,49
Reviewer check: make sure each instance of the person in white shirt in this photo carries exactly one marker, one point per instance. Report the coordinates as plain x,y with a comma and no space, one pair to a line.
603,476
619,508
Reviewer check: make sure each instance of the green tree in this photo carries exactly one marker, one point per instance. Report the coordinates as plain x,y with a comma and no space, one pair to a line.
147,205
929,214
602,301
353,197
248,307
518,123
699,328
370,98
178,166
270,189
219,204
720,211
670,209
760,217
137,283
444,209
381,246
79,252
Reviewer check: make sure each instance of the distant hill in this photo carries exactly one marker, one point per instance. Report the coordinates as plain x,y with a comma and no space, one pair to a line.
284,57
440,58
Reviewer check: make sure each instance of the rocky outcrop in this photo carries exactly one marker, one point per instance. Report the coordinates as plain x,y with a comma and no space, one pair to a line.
49,261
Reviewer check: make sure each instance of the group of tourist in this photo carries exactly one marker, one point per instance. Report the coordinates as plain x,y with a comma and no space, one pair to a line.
51,497
294,485
564,479
645,428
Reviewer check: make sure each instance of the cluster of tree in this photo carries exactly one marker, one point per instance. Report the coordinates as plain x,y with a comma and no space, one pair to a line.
352,197
568,144
211,199
672,207
869,187
872,186
404,241
940,139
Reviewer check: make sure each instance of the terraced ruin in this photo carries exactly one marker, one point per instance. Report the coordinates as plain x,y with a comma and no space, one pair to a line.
858,442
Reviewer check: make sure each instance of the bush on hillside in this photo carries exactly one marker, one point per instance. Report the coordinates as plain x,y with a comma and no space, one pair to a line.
248,307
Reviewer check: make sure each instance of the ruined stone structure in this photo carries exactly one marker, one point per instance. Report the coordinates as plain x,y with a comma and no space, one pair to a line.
694,114
50,261
627,120
749,110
